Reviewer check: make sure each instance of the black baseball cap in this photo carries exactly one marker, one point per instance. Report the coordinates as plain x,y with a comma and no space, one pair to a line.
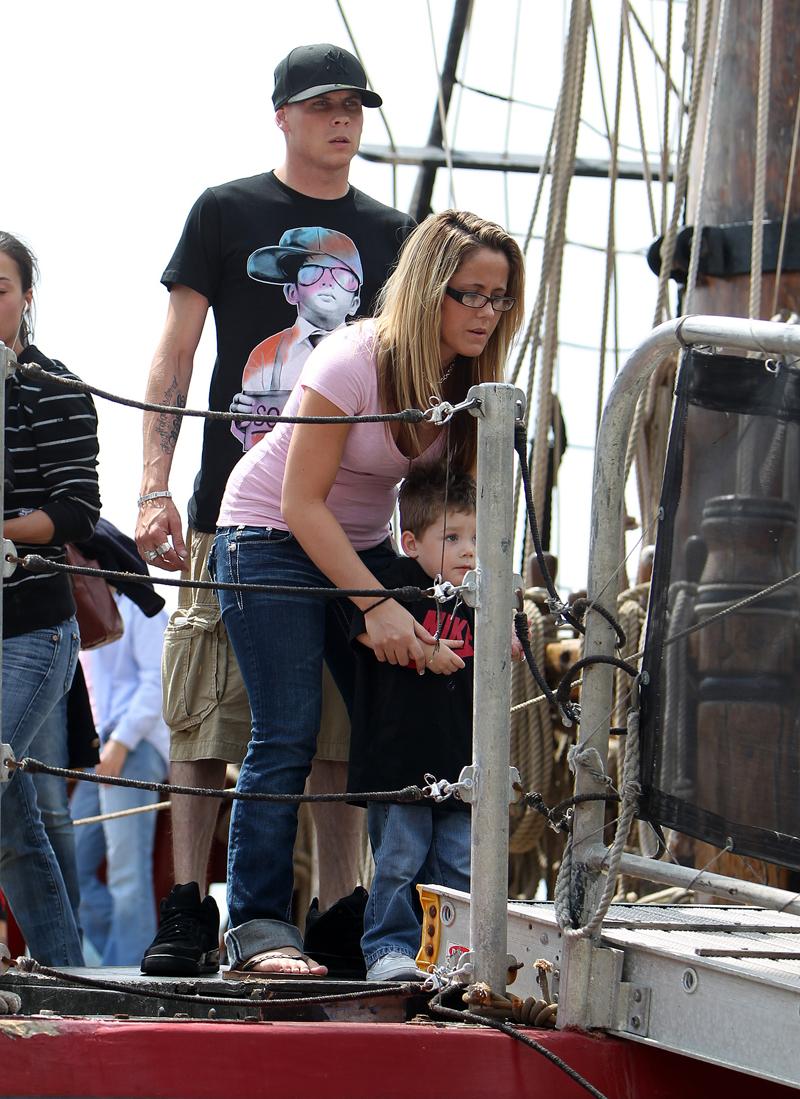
313,70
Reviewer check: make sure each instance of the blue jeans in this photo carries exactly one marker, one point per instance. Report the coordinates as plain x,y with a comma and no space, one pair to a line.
119,915
50,746
279,643
37,672
410,844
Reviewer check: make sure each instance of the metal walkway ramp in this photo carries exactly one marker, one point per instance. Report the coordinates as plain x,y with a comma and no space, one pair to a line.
718,983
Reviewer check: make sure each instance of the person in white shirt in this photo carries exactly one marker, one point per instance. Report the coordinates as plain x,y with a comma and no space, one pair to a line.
119,915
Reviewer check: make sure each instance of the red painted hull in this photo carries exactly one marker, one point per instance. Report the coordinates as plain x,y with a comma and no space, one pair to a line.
205,1060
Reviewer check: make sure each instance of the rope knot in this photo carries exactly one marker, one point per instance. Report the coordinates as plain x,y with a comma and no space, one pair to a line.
590,760
631,791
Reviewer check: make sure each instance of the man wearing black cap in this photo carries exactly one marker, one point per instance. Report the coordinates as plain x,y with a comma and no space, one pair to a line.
320,92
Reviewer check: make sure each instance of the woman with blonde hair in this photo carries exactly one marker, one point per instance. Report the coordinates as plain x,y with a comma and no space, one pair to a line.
310,505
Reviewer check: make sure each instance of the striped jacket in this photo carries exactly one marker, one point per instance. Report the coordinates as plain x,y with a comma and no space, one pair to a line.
51,464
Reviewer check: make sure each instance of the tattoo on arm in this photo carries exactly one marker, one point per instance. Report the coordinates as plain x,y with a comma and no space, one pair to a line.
169,427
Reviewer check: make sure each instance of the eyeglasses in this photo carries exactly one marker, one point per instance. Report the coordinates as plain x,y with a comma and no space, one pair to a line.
310,273
473,300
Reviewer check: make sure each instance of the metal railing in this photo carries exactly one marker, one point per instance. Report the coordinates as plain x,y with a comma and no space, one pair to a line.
606,539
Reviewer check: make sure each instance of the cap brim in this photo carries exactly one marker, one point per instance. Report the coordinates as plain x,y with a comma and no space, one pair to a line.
278,264
368,97
269,264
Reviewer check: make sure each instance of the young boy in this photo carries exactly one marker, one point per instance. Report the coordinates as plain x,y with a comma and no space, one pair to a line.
406,724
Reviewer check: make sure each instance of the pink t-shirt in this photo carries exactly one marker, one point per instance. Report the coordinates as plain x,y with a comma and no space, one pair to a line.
341,368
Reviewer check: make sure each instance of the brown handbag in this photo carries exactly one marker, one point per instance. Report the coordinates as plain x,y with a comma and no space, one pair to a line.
97,612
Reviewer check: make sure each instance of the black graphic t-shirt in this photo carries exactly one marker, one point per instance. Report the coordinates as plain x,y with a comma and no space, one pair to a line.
405,724
339,251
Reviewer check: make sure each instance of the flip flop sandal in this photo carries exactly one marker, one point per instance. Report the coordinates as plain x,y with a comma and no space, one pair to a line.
246,971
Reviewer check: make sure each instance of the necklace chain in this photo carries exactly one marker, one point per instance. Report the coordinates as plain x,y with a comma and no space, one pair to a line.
448,372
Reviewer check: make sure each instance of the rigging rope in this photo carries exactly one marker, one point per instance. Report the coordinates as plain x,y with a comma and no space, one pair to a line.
663,64
381,111
566,144
629,798
516,102
665,121
646,502
448,154
531,736
759,188
639,120
699,217
511,80
610,239
786,206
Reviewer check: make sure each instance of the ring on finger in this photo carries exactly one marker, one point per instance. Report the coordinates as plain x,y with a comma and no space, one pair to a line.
151,554
165,547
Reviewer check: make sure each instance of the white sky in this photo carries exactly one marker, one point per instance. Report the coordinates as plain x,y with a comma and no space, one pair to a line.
118,115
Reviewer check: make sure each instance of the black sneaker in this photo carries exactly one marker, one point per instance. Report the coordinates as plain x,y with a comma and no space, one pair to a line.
187,940
333,938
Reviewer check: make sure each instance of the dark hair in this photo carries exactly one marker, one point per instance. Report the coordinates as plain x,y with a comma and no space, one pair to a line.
426,492
28,269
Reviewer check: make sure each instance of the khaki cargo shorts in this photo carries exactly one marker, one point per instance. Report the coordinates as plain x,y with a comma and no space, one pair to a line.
205,703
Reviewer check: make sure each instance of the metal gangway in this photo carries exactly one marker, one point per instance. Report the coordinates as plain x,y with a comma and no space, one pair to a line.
716,982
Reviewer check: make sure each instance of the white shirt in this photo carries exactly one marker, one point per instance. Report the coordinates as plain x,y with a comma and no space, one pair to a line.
125,681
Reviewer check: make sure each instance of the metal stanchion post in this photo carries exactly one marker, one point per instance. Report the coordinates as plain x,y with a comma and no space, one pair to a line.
500,406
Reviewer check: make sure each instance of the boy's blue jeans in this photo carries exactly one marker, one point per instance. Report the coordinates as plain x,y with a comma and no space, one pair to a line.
279,642
411,844
37,672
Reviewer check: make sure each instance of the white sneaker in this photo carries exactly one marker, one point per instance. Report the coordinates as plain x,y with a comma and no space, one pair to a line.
395,966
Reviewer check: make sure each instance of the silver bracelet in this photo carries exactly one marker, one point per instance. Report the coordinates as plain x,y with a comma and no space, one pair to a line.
154,496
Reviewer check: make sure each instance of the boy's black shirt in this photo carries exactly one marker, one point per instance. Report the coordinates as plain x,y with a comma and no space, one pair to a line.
405,725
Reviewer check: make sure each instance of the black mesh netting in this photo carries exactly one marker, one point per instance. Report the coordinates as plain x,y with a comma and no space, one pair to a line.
721,712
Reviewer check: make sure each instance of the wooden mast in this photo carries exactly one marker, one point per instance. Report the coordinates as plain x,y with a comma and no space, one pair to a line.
728,199
731,169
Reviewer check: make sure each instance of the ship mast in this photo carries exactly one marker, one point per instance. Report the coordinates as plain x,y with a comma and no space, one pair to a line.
727,159
731,161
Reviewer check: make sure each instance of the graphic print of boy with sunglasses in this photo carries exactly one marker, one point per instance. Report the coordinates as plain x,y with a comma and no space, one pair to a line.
321,274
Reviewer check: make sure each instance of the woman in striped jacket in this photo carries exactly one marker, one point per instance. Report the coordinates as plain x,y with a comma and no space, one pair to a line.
51,497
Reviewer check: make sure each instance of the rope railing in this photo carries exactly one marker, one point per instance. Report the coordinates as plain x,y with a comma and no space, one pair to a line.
34,563
407,415
433,791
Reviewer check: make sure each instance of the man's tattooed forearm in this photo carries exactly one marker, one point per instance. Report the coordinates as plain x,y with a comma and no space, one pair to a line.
169,426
